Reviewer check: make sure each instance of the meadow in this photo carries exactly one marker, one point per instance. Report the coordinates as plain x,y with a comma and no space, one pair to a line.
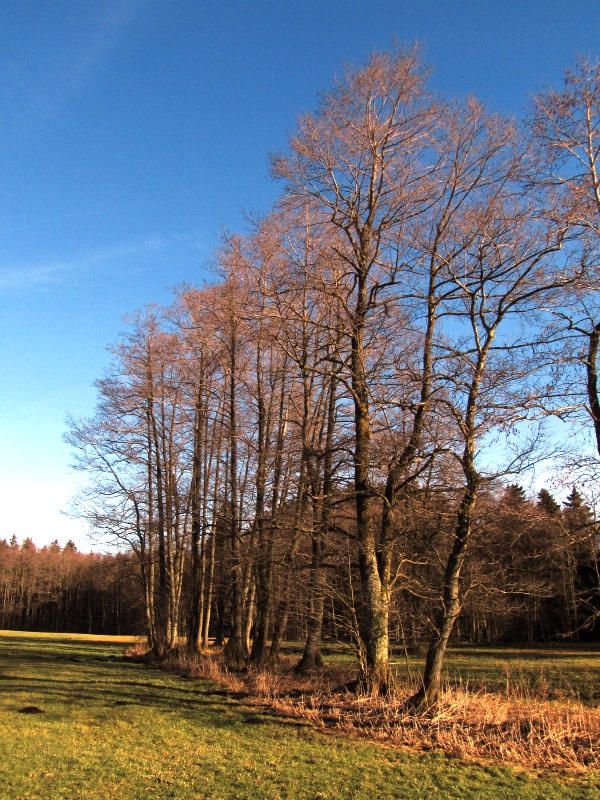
103,726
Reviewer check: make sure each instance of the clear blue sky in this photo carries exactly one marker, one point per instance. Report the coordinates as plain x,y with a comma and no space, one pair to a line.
133,130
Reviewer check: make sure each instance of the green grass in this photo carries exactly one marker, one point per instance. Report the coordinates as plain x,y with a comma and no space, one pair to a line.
560,671
116,729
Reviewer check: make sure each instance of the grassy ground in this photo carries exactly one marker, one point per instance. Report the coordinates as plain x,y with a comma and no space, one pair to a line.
559,672
115,729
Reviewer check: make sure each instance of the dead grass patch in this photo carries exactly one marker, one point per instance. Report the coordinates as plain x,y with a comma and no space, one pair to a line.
517,725
525,731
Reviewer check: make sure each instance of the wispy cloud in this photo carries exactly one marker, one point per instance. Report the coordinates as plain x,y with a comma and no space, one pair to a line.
46,89
20,279
112,259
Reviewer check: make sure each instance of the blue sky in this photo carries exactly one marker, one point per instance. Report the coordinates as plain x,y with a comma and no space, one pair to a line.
132,131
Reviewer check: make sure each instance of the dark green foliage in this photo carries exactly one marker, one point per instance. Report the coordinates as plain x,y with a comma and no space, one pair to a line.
515,493
547,503
574,501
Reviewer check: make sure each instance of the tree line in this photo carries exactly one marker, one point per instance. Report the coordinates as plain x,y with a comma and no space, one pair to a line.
57,589
537,582
323,438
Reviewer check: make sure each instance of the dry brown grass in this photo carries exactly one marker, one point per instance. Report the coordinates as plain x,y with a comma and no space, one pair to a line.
533,733
137,651
516,726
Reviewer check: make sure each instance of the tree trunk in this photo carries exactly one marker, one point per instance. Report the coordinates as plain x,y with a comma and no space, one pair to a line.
374,616
451,602
236,653
312,657
592,381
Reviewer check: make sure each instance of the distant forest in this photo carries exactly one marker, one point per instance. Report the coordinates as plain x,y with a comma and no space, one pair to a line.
534,578
327,442
54,589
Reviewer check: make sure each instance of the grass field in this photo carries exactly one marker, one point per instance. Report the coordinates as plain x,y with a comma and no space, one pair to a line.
548,671
111,728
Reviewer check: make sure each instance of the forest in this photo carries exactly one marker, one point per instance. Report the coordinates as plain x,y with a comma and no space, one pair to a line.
538,583
330,441
54,589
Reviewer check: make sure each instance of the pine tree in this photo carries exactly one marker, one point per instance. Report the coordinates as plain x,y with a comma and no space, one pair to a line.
574,501
547,503
515,494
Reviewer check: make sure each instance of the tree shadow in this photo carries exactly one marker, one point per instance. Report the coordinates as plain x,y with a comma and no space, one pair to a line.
69,676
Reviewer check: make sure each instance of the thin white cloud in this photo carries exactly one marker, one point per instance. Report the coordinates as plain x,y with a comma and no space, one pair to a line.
125,255
113,21
20,279
46,92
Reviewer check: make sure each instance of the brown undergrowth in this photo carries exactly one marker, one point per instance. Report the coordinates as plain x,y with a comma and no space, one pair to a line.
516,726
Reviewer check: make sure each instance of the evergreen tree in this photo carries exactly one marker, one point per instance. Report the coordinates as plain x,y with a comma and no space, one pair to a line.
547,503
574,501
515,494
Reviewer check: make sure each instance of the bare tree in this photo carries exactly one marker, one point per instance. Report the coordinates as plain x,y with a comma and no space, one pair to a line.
361,160
495,364
566,130
135,451
202,376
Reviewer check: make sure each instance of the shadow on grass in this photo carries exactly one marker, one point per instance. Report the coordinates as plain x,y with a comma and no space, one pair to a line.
65,676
